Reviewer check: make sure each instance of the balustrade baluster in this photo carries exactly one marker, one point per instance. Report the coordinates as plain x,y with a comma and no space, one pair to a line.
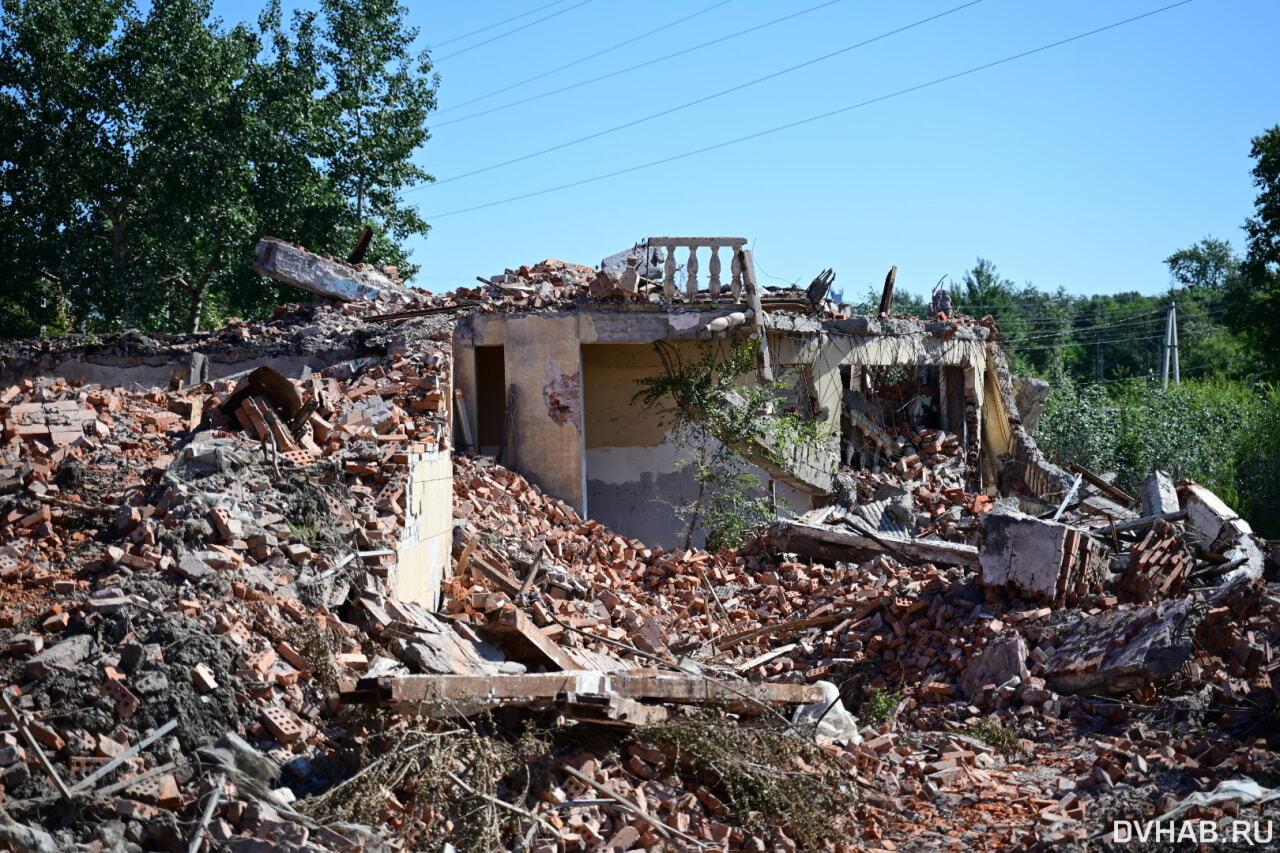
714,285
735,280
669,277
691,268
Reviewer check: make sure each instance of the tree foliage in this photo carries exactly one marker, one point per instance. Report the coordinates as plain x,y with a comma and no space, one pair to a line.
145,148
1256,302
1220,433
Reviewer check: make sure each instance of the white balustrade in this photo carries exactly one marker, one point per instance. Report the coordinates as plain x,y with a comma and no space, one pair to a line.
714,284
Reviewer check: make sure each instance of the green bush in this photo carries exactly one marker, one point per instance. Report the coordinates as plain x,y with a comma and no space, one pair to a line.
1220,433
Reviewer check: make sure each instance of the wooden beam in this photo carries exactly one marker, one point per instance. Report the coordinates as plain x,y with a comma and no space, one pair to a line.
426,693
1094,480
886,297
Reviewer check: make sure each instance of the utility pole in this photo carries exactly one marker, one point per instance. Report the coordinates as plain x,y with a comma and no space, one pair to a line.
1171,347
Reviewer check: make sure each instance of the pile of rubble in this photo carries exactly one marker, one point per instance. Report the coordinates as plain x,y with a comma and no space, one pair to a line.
203,647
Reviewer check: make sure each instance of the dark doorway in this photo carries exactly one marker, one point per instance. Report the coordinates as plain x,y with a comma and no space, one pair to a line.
491,397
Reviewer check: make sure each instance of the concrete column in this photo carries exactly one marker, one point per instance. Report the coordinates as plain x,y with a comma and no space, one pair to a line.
543,360
464,379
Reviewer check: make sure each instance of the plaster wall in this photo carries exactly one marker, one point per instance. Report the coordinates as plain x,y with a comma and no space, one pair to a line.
464,380
635,471
426,539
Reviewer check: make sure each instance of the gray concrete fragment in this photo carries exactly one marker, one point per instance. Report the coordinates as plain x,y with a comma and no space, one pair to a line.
1121,650
1159,495
28,839
64,656
322,276
1030,396
1222,530
1005,658
1037,558
193,568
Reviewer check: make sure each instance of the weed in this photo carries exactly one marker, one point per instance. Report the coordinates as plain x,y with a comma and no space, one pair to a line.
304,533
880,704
1003,739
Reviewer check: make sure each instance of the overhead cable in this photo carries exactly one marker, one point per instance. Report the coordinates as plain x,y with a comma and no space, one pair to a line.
697,101
579,61
639,65
809,120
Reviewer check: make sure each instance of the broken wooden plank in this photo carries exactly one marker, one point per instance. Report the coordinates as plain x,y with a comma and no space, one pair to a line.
520,639
1099,483
504,581
459,305
763,363
1140,523
427,693
886,295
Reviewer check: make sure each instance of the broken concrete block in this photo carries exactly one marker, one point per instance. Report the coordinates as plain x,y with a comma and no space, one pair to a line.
193,568
1039,559
1207,513
309,271
64,656
1005,658
1121,650
1030,396
1158,495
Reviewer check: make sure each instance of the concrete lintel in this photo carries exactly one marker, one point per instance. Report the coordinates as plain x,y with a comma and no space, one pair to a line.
312,272
918,348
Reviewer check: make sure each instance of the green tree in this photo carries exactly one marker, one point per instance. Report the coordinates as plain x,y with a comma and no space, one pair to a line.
1255,300
378,101
144,152
1210,265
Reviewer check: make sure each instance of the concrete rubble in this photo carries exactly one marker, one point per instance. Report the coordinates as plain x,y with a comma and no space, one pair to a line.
220,627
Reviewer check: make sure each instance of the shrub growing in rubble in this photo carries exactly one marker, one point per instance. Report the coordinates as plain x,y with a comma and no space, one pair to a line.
712,411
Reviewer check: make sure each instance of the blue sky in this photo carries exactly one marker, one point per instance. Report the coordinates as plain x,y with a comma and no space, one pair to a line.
1082,166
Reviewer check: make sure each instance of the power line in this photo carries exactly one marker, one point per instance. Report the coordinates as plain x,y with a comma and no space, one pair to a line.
623,43
1129,339
1148,318
1152,377
698,101
498,24
437,61
936,81
639,65
1132,339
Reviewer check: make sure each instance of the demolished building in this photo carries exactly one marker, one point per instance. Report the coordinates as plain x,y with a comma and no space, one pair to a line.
267,588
